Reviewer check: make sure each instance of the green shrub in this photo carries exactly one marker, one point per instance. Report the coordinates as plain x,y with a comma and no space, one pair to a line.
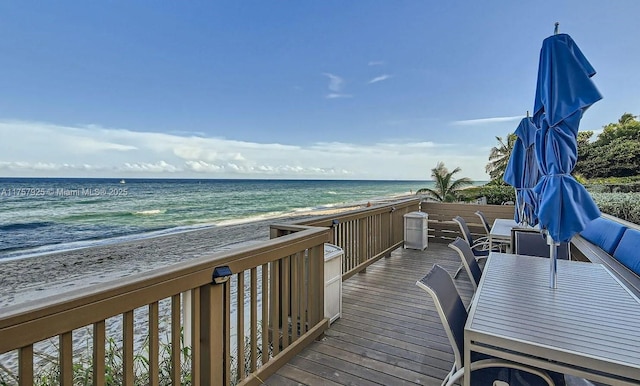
625,206
495,194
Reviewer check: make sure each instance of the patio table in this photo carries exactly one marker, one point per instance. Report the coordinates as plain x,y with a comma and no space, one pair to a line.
587,327
501,231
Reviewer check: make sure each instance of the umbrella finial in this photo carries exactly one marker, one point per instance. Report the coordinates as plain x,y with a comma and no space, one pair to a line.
555,30
527,113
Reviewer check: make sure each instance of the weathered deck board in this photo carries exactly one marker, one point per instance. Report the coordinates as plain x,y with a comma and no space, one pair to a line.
389,332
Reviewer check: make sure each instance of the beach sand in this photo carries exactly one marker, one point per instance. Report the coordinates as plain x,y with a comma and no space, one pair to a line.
30,278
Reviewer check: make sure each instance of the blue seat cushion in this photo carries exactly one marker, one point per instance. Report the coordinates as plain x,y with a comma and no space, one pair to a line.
604,233
628,250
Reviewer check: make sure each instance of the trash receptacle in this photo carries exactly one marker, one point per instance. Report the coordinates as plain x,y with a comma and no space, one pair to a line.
416,230
333,281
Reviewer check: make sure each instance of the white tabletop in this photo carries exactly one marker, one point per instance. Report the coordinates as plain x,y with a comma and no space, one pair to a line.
589,324
501,228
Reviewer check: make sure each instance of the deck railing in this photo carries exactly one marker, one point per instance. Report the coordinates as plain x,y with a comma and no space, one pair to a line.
365,235
443,229
281,280
229,331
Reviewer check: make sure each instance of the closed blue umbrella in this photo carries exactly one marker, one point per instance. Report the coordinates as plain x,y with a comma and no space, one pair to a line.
522,172
564,92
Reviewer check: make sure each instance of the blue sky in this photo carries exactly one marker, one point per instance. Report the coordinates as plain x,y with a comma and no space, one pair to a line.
287,89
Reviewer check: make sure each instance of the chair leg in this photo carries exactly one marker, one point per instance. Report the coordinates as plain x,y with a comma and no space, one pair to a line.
458,271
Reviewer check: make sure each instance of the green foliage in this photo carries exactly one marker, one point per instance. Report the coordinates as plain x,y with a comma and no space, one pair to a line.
499,158
495,194
614,185
49,372
616,151
447,189
625,206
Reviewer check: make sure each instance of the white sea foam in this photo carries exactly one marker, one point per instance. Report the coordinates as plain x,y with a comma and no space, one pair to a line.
150,212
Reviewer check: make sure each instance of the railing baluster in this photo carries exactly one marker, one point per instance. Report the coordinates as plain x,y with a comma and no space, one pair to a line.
66,358
295,297
362,239
286,299
195,337
25,365
304,294
254,319
99,336
265,314
176,333
154,344
275,307
127,348
226,303
240,326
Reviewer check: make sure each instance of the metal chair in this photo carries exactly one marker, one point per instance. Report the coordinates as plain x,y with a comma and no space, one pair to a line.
479,247
485,222
468,261
532,242
453,315
487,228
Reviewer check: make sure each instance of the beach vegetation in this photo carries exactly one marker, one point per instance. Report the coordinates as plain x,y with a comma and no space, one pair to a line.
614,153
446,188
499,158
625,206
495,194
48,373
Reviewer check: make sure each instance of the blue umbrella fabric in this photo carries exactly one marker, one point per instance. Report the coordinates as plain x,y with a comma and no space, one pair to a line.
564,92
522,172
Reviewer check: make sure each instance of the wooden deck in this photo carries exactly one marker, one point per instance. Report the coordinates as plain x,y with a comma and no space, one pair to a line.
389,332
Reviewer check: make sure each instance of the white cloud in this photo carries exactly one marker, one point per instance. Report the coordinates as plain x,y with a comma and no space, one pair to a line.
375,63
484,121
379,78
157,167
34,149
335,82
336,95
336,85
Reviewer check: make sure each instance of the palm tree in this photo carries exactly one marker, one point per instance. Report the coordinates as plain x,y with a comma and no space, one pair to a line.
446,187
499,158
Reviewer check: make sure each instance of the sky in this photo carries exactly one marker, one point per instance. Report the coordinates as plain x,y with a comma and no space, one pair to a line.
327,89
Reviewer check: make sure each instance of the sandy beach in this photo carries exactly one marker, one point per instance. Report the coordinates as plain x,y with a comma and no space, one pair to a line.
35,277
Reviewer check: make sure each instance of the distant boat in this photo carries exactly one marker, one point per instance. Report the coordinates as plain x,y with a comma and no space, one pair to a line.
123,182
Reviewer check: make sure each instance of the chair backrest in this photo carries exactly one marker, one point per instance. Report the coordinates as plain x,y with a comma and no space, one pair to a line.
485,222
468,260
439,284
532,242
464,229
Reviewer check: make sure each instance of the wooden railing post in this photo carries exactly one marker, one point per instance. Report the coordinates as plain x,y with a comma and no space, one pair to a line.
316,284
215,329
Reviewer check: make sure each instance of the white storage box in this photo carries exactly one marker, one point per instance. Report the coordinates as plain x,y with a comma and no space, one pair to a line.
333,255
416,230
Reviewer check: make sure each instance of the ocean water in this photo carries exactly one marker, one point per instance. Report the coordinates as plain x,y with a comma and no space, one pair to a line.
42,215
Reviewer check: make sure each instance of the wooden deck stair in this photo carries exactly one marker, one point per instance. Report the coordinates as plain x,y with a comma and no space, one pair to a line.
389,332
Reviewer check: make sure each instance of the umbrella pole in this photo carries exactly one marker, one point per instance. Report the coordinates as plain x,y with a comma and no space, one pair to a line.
553,254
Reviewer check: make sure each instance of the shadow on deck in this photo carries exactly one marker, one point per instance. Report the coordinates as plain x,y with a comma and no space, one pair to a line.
389,332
